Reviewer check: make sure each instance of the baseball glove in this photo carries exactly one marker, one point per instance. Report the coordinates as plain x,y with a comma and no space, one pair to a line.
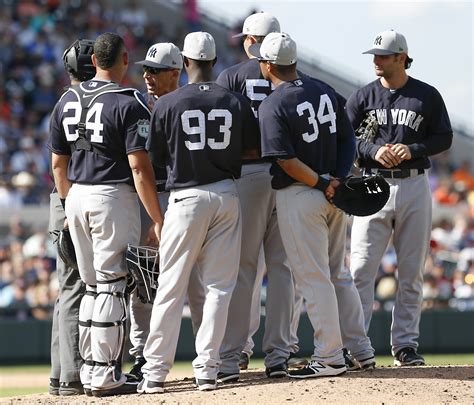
66,248
362,196
367,131
143,265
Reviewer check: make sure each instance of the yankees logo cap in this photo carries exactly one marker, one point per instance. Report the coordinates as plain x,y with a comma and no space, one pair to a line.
199,46
277,47
259,24
163,55
388,43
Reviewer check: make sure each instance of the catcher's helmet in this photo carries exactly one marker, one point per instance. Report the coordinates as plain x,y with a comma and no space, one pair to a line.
143,265
77,59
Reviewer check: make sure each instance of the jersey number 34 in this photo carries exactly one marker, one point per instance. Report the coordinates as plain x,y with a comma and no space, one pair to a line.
322,117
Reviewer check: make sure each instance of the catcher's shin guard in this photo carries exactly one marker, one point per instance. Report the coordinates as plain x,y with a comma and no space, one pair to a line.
85,320
108,334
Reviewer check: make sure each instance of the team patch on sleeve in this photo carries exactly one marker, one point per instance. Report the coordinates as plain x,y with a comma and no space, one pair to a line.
143,128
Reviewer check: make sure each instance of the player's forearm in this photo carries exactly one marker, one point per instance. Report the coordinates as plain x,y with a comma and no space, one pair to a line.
144,180
299,171
59,165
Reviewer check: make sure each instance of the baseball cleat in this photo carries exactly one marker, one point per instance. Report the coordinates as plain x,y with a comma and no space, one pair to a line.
204,384
136,370
53,386
128,387
278,371
71,388
244,361
408,357
228,377
150,387
296,361
318,369
368,363
351,362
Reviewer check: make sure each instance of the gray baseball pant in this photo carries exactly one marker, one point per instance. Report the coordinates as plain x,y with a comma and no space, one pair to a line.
406,218
103,220
313,233
259,225
66,361
202,227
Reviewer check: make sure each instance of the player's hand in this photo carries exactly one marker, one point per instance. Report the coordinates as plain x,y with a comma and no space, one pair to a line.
387,157
401,150
331,189
154,234
66,224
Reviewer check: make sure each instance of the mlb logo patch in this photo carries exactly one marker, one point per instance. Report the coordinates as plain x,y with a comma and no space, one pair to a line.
143,128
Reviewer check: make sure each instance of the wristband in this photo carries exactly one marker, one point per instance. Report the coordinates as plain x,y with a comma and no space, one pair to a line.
63,202
322,184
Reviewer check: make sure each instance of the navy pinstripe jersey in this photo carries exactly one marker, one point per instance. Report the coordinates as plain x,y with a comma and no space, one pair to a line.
414,115
304,119
117,123
199,132
160,172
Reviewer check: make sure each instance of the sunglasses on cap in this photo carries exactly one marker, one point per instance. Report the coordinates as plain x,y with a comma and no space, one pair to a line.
154,70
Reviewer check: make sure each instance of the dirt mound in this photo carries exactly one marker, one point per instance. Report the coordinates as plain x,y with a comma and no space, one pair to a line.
407,385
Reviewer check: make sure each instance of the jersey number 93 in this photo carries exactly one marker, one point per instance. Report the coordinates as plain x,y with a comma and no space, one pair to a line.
200,129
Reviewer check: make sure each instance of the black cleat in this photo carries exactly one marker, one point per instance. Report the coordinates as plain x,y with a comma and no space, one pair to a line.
204,384
296,361
408,357
71,388
278,371
136,370
318,369
53,388
244,361
128,387
151,387
227,377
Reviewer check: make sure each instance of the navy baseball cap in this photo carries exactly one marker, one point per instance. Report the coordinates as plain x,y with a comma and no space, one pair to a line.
277,47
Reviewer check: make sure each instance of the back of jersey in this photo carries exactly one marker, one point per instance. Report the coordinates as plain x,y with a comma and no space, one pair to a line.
197,132
300,119
116,124
246,78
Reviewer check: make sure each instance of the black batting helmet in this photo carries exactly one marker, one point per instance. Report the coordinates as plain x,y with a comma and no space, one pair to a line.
77,59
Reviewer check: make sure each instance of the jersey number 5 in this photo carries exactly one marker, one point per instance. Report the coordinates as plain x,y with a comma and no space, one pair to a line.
200,129
330,116
93,121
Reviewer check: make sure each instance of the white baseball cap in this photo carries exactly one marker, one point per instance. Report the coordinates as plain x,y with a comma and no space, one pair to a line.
388,43
199,46
277,47
163,55
259,24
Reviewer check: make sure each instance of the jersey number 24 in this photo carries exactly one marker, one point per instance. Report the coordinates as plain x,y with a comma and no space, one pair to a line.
93,121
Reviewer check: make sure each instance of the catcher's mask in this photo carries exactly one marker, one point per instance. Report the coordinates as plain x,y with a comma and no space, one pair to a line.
78,59
143,264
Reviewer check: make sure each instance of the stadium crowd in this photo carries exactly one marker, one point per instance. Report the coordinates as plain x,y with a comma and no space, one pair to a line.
33,36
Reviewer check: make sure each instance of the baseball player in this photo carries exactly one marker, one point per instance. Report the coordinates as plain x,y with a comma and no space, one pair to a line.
413,124
306,133
259,226
198,132
97,138
161,69
66,360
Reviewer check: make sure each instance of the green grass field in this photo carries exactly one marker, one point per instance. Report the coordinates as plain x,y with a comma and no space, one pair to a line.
43,370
